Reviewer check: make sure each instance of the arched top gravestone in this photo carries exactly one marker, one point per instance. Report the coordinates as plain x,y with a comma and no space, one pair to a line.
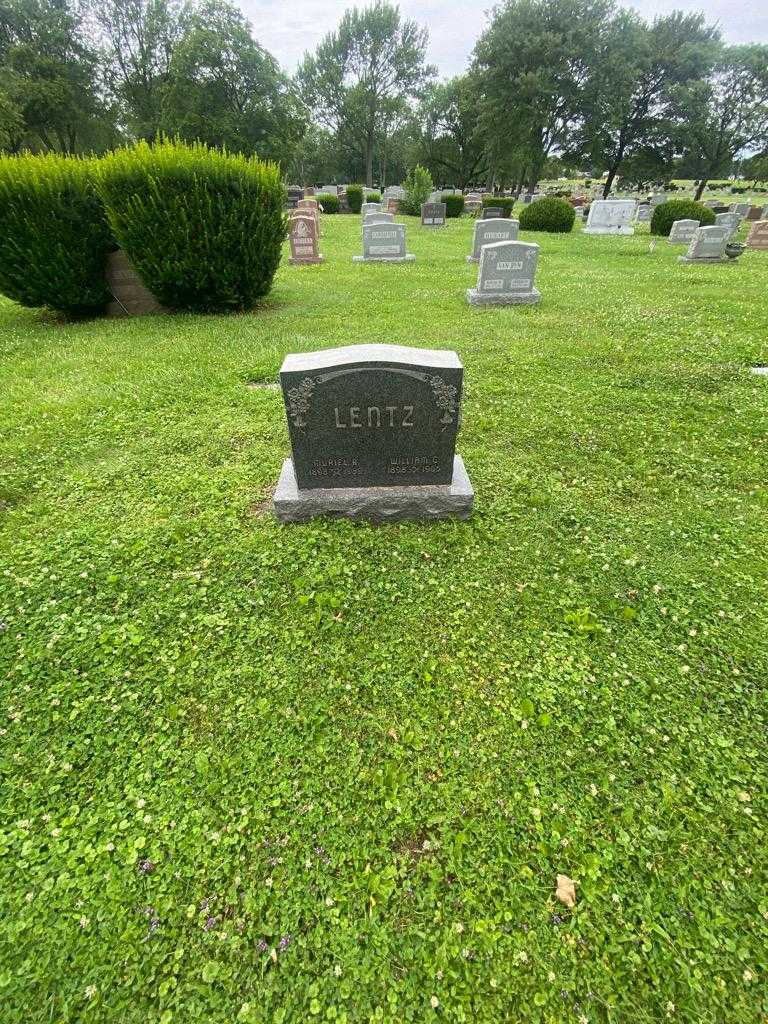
373,434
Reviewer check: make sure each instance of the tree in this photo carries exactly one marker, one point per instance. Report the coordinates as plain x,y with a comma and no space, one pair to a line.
756,167
452,145
139,37
49,95
365,74
725,114
628,95
224,89
532,65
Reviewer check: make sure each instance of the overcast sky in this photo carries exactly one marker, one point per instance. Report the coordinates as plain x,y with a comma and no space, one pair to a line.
288,29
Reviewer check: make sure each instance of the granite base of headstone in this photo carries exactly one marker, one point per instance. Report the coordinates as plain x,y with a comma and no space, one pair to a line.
130,296
373,435
506,275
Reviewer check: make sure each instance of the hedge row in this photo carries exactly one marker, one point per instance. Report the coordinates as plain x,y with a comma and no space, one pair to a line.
204,229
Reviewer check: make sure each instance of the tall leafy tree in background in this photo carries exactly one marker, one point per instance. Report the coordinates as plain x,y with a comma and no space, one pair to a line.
364,74
226,90
532,65
453,147
725,114
627,98
49,78
139,38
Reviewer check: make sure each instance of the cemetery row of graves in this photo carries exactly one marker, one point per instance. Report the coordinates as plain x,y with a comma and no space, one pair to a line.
370,656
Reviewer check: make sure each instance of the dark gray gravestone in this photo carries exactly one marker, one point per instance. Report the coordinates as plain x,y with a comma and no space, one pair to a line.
294,194
130,295
492,211
433,214
373,434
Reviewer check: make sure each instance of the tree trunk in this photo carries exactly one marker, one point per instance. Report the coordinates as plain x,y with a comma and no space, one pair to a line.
369,160
700,189
609,181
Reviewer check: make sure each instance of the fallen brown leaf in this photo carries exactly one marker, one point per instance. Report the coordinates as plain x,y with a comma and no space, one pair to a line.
566,890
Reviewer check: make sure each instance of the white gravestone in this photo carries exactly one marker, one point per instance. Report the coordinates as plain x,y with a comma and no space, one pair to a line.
610,217
506,274
643,214
378,218
489,231
384,243
682,231
330,190
707,245
370,208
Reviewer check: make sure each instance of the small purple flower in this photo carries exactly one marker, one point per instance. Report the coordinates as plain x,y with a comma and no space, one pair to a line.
556,919
205,903
210,923
263,947
146,867
285,942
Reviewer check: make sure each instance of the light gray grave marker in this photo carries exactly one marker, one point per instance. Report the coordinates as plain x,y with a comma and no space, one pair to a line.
506,275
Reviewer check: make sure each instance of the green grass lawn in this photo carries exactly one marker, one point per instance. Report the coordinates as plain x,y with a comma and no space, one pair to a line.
254,773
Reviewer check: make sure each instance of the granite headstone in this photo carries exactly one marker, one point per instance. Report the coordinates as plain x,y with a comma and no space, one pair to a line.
303,240
506,275
130,296
433,214
384,243
758,235
373,435
708,245
610,217
682,231
499,229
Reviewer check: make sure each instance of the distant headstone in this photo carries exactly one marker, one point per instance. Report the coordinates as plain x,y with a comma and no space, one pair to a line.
506,274
373,435
433,214
643,214
682,231
758,235
384,243
309,208
435,197
754,213
707,245
610,217
660,197
379,218
741,208
130,296
764,215
302,235
370,208
490,212
294,194
499,229
472,205
331,190
729,220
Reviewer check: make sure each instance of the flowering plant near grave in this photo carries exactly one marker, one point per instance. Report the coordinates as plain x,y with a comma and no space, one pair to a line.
203,228
665,215
53,234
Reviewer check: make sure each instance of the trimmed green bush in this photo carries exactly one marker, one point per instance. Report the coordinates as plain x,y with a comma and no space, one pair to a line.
354,198
373,197
665,215
417,185
203,228
454,205
548,214
504,203
329,202
54,234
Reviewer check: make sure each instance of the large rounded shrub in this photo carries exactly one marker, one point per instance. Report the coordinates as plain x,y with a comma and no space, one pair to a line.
204,229
454,205
354,198
665,215
54,234
329,202
548,214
